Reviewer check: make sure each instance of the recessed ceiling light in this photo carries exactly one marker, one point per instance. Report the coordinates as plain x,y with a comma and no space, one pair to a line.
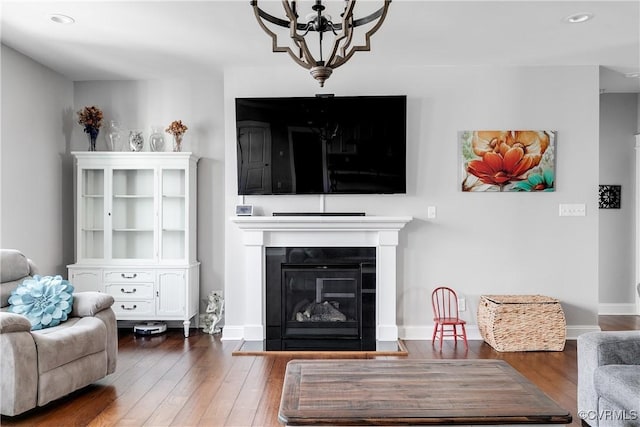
578,18
61,19
635,75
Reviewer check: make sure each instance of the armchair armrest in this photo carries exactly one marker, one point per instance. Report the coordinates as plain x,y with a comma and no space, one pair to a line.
12,322
90,303
602,348
611,348
18,365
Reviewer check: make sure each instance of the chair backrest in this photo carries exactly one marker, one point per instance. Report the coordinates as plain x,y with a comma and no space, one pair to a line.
445,303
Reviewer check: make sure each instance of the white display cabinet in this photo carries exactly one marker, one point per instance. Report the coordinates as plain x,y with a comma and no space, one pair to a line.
136,233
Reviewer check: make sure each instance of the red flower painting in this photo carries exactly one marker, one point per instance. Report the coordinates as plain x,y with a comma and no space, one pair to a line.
498,160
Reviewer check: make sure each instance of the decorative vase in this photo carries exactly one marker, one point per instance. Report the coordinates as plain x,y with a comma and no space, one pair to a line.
177,142
156,139
136,141
112,136
92,133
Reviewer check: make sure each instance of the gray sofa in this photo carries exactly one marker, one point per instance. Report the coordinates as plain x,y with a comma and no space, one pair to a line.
37,367
609,378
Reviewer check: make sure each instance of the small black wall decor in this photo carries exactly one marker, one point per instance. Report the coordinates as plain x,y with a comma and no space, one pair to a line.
609,196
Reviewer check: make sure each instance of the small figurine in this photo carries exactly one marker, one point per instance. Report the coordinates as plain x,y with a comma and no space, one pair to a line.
213,315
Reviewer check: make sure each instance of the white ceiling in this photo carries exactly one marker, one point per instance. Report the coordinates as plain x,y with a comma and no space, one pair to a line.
148,40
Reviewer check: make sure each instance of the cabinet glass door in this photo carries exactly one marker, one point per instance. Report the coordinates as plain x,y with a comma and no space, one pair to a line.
92,214
173,231
133,215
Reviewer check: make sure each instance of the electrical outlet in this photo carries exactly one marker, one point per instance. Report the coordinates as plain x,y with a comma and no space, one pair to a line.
462,304
431,212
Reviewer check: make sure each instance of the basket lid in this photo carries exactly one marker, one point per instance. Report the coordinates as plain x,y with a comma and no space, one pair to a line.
520,299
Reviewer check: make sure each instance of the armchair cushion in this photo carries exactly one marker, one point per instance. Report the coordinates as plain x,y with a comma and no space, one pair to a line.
77,338
90,303
45,301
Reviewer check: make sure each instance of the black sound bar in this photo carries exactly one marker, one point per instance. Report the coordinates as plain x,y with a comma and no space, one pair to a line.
318,214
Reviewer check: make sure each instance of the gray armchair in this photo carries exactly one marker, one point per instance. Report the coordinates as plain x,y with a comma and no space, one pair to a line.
609,378
37,367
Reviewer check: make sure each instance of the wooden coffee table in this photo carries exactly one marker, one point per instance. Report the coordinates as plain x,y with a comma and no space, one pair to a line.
412,392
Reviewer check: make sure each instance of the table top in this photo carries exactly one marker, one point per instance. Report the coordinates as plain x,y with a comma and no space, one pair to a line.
417,392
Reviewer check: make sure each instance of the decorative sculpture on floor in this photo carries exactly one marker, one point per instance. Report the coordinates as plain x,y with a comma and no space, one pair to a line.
213,315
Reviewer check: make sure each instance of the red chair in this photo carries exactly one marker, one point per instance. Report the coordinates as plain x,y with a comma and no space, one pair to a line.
445,316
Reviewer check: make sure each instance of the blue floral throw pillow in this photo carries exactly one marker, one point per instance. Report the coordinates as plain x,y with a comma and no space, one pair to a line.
45,301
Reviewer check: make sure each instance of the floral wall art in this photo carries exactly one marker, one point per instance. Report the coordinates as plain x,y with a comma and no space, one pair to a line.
508,160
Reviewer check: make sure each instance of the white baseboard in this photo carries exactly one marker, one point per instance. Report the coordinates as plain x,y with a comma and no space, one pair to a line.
473,333
573,331
419,333
617,309
232,333
426,332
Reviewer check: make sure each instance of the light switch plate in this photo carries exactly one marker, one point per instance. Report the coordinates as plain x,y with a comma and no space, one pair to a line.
573,209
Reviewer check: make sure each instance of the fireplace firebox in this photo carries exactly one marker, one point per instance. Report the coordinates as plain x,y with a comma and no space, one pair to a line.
320,298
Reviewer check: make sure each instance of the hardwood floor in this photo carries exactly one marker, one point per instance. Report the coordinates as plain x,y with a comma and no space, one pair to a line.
172,381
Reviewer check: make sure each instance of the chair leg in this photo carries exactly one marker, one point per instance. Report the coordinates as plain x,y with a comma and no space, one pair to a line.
441,336
464,337
455,334
435,331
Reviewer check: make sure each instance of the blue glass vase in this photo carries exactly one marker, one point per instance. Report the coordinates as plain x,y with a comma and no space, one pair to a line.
92,133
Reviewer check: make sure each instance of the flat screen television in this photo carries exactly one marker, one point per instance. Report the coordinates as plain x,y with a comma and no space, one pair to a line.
321,145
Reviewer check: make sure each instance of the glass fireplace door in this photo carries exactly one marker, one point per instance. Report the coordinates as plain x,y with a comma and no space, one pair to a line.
321,301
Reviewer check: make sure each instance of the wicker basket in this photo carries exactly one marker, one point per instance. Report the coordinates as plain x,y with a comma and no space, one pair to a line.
522,322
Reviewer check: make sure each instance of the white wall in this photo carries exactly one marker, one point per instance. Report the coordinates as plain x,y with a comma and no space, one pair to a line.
500,243
479,243
198,103
36,175
618,124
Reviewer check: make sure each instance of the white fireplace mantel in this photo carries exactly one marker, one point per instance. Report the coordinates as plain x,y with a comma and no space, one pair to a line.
260,232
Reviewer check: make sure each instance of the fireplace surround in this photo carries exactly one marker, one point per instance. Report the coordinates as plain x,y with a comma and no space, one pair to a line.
262,232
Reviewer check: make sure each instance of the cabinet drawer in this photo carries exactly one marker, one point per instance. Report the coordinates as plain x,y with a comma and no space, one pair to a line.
132,308
123,276
121,291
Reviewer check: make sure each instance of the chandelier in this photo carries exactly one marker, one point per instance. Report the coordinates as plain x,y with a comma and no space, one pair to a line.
320,61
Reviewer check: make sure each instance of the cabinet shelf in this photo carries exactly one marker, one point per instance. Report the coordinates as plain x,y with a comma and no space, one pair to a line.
93,229
173,196
93,196
133,196
134,230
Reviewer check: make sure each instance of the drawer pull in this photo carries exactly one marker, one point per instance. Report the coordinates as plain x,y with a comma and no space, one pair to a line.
133,291
129,308
129,276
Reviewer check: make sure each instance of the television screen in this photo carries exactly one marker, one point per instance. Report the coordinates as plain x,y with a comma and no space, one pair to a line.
321,145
